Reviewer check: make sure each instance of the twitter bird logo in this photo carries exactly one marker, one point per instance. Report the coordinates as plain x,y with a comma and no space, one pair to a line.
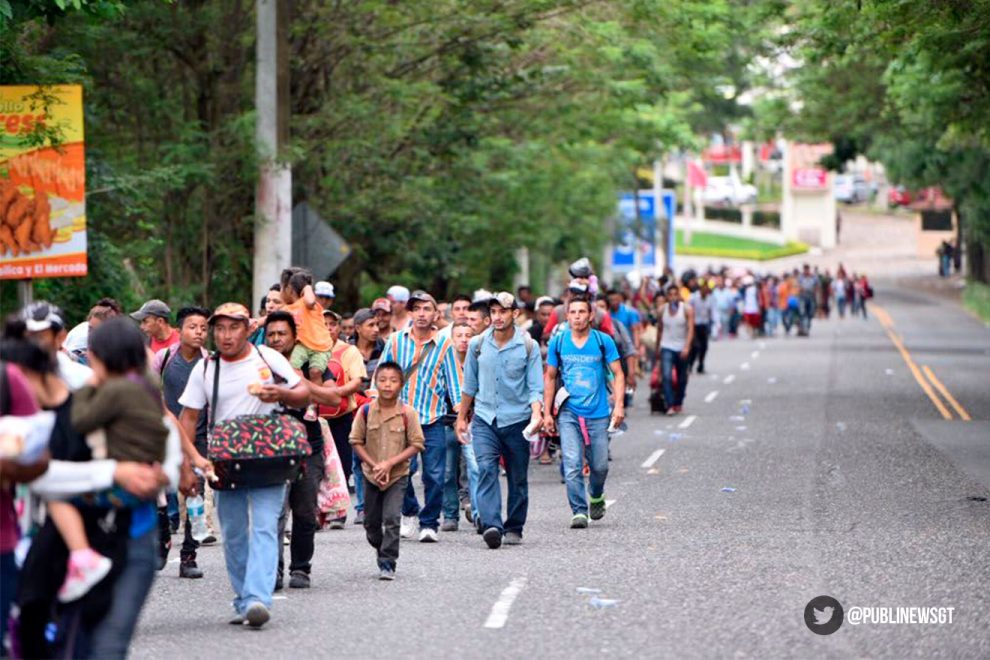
823,616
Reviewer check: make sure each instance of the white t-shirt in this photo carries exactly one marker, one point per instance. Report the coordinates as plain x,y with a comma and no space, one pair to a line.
74,374
233,398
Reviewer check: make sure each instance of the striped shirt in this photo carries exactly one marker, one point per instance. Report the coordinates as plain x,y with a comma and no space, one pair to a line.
435,379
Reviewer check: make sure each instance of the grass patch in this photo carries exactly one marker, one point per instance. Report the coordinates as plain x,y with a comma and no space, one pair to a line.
976,297
704,244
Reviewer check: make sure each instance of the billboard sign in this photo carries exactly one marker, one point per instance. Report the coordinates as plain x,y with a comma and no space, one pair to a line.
42,187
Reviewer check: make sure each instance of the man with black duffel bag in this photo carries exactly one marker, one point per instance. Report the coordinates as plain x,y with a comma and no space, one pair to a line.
253,452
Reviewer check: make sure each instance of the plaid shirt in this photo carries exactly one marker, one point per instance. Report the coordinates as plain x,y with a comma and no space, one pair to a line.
436,378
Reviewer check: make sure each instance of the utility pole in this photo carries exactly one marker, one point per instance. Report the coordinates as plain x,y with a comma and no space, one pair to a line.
273,193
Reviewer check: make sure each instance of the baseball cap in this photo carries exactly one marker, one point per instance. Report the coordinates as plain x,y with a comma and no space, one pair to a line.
231,310
581,268
362,315
504,299
41,315
398,293
381,304
543,300
482,295
330,312
153,307
324,289
422,296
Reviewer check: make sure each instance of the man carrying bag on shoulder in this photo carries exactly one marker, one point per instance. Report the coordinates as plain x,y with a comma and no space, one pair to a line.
252,452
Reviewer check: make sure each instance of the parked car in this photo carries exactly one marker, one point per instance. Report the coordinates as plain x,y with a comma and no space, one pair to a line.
852,188
898,196
729,191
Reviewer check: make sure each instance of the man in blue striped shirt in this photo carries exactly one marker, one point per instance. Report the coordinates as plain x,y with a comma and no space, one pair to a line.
503,382
432,387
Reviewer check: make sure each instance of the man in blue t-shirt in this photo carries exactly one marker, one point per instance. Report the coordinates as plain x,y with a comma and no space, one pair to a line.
584,358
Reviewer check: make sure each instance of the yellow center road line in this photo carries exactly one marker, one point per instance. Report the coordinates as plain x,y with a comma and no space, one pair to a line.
945,393
888,325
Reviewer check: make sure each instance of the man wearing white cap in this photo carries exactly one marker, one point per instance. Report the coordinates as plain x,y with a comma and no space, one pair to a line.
324,294
398,296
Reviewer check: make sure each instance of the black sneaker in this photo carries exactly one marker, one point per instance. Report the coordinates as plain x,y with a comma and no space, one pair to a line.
257,615
493,538
189,569
162,561
298,580
598,508
386,573
359,518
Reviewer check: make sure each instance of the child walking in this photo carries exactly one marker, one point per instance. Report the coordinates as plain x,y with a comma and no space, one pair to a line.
120,413
386,434
313,339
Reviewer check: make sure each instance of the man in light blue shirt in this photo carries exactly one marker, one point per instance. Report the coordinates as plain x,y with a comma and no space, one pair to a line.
503,386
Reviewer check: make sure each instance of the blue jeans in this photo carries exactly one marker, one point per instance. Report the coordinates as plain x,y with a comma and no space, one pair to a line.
451,501
112,636
358,482
670,360
808,309
573,450
8,588
490,443
433,459
249,522
773,319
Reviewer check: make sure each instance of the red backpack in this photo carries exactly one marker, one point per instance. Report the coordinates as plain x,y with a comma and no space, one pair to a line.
336,368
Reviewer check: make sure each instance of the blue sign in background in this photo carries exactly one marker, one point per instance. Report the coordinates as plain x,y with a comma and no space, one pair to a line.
624,245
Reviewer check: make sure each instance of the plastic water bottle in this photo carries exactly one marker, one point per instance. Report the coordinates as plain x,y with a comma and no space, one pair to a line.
196,511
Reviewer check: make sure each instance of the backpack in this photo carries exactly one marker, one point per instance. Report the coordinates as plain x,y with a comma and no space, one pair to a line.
609,376
336,368
530,344
561,311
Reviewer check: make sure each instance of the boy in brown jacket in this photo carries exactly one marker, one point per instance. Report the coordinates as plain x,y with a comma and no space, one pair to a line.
385,435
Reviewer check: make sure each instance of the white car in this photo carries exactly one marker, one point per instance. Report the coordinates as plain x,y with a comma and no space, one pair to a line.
851,188
728,191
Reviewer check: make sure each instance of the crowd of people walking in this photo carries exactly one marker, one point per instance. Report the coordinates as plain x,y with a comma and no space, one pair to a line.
266,426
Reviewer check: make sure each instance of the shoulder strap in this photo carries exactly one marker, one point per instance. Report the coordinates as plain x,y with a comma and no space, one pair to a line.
161,371
559,337
530,343
216,387
365,409
406,373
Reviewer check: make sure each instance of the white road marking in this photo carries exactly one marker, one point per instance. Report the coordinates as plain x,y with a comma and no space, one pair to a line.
500,610
280,598
654,457
174,561
711,396
754,354
609,503
744,366
687,422
729,379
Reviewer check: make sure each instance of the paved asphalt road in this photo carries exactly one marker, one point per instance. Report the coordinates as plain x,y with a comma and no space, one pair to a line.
848,481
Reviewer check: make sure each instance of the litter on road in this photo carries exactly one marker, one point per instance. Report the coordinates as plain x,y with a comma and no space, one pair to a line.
603,603
728,489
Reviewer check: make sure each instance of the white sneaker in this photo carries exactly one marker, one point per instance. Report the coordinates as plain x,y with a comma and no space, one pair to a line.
409,526
428,535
